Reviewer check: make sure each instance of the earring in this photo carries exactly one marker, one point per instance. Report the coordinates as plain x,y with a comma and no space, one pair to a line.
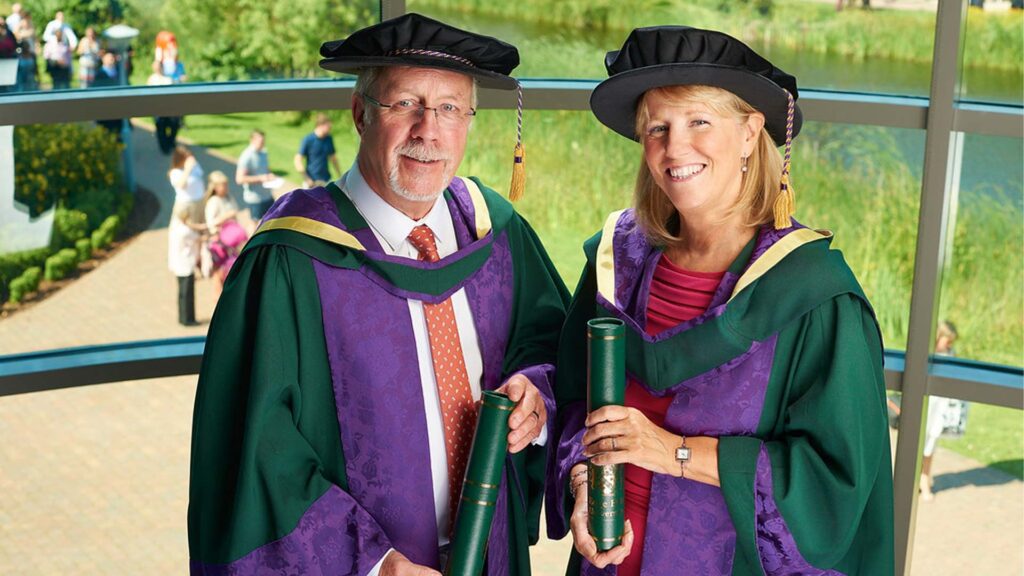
743,168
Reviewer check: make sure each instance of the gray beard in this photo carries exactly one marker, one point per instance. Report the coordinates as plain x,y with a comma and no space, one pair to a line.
415,150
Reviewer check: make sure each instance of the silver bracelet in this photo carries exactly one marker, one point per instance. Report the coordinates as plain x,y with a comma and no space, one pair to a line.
575,486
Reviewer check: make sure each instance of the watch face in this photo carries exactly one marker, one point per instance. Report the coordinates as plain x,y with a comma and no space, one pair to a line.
683,454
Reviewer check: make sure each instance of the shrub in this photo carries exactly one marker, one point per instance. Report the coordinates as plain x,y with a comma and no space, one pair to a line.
84,249
100,239
96,203
52,161
69,226
18,290
12,265
25,284
32,277
112,224
61,264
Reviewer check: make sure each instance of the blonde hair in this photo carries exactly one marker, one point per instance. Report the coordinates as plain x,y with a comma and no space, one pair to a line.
213,180
657,217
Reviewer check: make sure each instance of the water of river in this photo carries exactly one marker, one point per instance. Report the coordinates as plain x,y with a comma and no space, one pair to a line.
990,163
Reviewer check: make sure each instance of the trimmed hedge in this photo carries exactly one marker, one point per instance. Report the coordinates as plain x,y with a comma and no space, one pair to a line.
25,284
84,248
61,264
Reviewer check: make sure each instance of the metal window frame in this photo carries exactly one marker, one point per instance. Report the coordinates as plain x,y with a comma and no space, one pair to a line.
917,373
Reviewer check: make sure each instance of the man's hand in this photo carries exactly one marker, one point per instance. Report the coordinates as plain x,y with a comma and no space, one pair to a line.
396,564
528,419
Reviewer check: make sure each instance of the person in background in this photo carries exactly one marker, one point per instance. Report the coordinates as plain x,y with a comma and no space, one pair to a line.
317,149
8,42
226,234
183,238
753,431
186,176
941,411
56,24
88,57
167,69
252,172
17,13
108,75
28,51
57,54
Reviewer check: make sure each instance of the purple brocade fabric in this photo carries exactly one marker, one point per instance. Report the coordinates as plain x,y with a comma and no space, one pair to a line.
314,203
380,399
565,454
335,536
775,543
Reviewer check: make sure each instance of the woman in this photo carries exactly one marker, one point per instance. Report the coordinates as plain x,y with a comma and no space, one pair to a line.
754,429
167,69
88,58
57,54
227,236
186,176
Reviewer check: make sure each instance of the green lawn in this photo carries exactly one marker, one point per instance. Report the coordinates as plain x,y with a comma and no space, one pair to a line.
994,436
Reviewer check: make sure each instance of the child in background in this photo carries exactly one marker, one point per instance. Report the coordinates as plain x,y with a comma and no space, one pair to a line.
183,239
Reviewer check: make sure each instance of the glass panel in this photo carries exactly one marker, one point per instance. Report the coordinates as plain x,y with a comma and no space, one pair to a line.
864,184
874,49
68,181
981,285
994,52
96,479
977,489
578,172
149,39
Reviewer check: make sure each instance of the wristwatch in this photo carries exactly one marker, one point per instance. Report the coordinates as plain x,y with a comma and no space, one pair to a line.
683,456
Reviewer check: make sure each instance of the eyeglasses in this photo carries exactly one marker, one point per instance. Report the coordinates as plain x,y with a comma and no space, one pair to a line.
447,114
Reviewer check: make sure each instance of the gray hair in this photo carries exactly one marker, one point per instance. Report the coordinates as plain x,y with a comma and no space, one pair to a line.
366,83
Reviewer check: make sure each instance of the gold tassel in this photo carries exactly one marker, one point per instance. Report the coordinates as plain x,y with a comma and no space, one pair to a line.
518,175
785,205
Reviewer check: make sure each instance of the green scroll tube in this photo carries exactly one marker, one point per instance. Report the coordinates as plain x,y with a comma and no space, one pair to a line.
480,487
606,386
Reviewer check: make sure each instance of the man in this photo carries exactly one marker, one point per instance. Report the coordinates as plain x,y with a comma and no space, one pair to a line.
108,76
58,23
337,397
252,172
318,149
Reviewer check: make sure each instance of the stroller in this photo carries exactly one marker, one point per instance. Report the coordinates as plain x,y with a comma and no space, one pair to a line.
224,248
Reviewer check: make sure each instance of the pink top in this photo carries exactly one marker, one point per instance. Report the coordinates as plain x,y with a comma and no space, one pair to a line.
677,295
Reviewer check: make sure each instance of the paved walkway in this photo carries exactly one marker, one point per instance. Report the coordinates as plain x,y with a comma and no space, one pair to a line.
94,480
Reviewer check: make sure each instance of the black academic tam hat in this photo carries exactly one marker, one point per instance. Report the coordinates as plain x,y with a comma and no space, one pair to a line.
679,55
415,40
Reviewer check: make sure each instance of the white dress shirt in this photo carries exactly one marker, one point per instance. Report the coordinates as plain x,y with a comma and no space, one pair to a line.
391,227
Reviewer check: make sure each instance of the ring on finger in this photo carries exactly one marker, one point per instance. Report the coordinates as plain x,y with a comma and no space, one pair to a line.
613,444
537,414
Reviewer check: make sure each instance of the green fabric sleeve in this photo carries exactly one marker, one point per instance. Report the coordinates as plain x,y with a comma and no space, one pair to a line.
540,302
265,438
824,425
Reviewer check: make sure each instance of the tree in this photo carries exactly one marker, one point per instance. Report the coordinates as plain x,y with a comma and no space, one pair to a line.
242,39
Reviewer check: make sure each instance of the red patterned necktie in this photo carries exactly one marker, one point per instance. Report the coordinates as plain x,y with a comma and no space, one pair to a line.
457,407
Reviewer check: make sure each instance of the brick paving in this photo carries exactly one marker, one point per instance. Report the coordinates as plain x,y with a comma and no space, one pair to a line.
94,480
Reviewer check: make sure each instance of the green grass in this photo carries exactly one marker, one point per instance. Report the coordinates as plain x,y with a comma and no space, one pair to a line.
994,436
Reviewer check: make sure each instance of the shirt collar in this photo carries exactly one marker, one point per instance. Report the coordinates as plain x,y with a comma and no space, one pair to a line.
390,223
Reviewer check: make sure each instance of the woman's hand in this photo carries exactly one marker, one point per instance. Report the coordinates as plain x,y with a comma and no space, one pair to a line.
581,537
620,435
